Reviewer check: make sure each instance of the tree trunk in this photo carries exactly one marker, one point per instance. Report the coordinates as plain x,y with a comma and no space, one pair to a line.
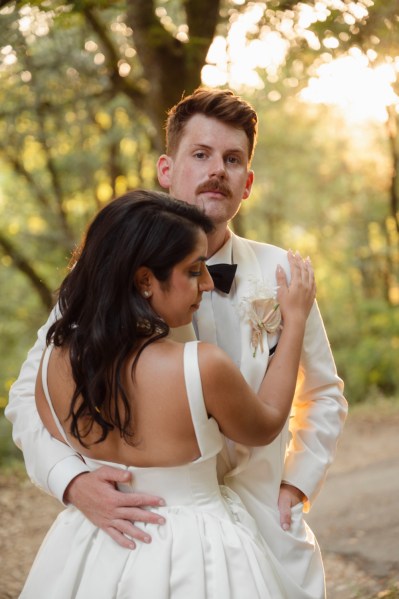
170,67
22,264
392,128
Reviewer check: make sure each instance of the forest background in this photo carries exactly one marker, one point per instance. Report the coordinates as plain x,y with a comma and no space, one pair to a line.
84,90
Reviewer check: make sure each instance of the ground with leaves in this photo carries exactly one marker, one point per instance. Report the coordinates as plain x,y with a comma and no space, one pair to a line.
356,517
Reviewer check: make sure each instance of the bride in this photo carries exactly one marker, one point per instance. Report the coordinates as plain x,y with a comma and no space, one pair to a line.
118,389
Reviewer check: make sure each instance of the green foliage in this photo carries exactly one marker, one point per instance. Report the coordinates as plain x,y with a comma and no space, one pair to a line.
21,315
321,187
367,355
74,132
9,453
66,147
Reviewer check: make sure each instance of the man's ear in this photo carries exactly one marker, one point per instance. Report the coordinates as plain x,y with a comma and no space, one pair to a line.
143,279
164,171
248,185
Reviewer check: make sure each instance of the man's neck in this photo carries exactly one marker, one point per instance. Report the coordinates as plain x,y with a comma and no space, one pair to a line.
217,239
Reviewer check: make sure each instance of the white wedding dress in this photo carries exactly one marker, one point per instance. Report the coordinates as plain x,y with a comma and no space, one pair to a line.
209,547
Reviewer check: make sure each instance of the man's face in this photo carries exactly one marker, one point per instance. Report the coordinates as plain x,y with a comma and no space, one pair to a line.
210,168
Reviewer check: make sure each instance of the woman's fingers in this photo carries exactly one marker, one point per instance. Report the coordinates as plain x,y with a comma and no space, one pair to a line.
301,269
281,277
302,277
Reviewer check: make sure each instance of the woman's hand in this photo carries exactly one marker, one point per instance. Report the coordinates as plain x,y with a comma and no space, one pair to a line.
297,298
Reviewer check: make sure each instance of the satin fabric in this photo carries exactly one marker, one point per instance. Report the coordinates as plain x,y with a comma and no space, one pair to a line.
209,548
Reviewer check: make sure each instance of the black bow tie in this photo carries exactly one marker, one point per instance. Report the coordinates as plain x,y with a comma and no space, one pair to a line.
223,275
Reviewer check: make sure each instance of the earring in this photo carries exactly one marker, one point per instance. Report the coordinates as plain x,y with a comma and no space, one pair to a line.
146,294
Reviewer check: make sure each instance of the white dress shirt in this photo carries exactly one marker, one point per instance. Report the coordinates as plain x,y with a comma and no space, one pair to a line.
217,319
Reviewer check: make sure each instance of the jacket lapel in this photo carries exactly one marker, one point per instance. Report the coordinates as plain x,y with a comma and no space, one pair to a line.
252,367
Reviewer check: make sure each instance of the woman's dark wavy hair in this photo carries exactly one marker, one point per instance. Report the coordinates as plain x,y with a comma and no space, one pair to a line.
103,315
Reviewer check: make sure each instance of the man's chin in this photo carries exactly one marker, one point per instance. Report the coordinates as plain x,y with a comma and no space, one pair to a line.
216,213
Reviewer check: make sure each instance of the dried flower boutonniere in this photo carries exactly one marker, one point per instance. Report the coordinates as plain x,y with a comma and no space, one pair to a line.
263,313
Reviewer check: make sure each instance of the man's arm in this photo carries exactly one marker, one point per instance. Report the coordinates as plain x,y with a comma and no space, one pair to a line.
318,416
50,464
60,471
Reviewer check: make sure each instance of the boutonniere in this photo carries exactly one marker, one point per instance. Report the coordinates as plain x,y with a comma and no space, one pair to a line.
262,312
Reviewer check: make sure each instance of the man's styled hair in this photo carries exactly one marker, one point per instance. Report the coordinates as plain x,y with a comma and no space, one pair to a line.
219,104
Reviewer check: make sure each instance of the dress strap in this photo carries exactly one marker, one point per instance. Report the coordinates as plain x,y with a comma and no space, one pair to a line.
46,358
206,429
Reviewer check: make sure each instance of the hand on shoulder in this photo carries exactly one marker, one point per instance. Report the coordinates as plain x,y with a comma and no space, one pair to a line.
297,298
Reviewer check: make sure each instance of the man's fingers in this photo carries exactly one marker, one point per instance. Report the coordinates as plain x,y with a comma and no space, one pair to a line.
129,531
289,496
139,534
140,515
120,538
285,521
126,533
142,499
117,475
285,514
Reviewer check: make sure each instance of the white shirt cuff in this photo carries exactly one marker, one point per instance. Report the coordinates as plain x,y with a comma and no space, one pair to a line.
63,473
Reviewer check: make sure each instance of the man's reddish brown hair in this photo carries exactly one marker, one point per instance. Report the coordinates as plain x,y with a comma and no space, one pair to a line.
223,105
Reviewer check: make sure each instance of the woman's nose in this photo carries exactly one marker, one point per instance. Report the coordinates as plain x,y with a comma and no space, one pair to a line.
206,283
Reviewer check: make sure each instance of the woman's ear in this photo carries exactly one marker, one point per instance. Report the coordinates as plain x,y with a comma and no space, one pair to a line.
143,279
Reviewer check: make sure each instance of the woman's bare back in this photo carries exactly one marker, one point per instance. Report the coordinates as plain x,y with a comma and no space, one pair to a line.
163,431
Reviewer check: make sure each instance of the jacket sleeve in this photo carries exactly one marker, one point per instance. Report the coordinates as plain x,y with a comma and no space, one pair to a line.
50,464
318,414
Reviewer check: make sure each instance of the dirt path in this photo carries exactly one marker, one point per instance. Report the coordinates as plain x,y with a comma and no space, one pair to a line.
356,517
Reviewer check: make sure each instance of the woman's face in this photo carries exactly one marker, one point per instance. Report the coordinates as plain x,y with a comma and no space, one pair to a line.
176,300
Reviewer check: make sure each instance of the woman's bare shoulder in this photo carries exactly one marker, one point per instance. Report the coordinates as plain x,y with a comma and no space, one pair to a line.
214,363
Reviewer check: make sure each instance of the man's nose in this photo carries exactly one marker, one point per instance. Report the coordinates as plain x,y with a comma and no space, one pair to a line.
217,167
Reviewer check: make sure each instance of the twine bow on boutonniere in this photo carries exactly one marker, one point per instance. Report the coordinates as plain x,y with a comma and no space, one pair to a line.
262,312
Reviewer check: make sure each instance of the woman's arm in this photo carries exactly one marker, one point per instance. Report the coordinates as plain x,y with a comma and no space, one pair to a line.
224,387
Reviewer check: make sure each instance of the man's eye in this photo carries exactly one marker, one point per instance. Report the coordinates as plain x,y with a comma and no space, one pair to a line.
233,160
195,273
199,155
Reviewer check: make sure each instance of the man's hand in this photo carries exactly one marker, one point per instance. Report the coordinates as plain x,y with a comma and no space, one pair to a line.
288,497
96,496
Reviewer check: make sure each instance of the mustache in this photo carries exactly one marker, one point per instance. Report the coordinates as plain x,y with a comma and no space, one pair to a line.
214,185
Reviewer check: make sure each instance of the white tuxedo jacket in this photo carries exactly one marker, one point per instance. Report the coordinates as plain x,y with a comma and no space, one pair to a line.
303,451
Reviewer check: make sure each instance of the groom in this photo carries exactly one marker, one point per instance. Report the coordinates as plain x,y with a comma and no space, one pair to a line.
211,137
